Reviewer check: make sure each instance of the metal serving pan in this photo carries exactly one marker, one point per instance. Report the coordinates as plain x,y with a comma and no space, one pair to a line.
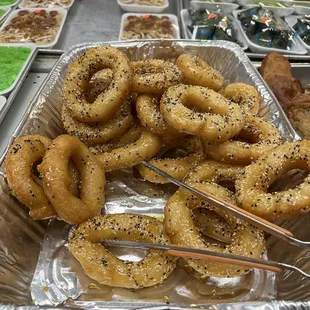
34,257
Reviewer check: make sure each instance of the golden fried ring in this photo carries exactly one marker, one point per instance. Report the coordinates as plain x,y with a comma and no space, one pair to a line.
101,265
154,76
210,224
252,187
243,94
262,136
245,239
176,167
54,171
131,154
130,136
195,71
21,157
220,120
77,83
98,132
148,112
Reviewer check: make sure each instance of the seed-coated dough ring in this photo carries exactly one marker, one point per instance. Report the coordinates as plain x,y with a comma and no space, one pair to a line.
98,132
245,240
101,265
131,154
154,76
220,120
22,155
148,112
263,136
54,171
77,83
195,71
252,186
243,94
131,135
176,167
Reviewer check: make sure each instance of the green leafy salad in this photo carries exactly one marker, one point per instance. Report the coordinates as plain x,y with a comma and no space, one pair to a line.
12,60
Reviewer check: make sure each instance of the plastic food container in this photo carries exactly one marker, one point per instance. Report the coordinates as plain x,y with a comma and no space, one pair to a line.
61,11
24,2
282,12
32,48
292,20
6,3
143,8
172,18
2,102
226,8
7,10
297,48
185,20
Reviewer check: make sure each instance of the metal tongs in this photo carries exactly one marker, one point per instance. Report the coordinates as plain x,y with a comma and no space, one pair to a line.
179,251
264,225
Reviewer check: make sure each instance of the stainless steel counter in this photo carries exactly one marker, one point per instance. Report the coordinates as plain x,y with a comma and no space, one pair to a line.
97,20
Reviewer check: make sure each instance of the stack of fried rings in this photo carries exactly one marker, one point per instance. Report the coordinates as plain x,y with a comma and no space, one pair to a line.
192,116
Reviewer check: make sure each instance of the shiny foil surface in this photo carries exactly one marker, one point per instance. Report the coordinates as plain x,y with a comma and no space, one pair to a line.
36,266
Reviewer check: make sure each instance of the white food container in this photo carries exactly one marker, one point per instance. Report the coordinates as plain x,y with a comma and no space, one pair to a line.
297,48
282,12
22,3
292,20
7,10
173,19
63,12
185,20
143,8
33,49
226,8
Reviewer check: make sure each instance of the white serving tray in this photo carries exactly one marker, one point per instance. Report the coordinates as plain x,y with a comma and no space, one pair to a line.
226,8
292,20
282,12
59,10
173,19
143,8
297,48
21,6
33,49
185,20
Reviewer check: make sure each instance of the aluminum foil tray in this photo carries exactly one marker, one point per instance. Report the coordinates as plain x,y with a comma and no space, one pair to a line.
35,264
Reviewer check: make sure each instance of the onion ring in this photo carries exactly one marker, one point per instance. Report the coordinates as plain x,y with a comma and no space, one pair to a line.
246,240
77,83
195,71
20,159
148,112
176,167
131,154
220,120
252,186
54,171
243,94
101,265
98,132
154,76
263,136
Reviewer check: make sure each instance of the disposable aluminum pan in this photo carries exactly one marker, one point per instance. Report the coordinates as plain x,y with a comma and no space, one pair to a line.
36,266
